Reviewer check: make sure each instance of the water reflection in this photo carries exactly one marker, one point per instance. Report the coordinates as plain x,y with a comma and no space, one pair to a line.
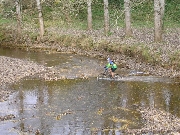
167,98
85,106
151,100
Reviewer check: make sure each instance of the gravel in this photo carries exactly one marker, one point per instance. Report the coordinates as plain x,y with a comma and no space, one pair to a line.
12,70
156,122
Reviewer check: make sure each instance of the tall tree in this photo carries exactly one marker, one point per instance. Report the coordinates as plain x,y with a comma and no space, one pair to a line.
159,7
89,18
41,22
127,8
106,17
18,15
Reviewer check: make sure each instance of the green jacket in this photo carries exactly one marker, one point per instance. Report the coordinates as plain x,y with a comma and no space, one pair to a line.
108,65
114,66
111,65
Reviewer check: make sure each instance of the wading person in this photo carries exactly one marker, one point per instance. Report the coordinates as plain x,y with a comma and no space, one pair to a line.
111,67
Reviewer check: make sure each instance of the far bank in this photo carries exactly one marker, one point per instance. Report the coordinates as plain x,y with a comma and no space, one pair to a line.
137,53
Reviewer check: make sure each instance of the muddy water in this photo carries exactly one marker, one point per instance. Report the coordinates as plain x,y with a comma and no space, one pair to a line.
83,106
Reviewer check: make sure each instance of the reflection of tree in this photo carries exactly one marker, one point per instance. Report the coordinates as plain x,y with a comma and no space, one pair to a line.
44,125
21,110
170,97
142,94
135,95
37,114
167,98
151,97
116,103
111,102
40,102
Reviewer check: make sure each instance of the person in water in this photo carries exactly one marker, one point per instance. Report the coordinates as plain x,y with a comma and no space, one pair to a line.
111,67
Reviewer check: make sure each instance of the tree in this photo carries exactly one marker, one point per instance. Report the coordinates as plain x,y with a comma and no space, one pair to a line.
127,8
106,17
41,22
18,16
89,18
158,19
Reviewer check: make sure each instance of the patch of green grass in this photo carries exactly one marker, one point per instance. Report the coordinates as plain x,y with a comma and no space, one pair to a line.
141,52
54,23
82,42
140,24
5,21
171,24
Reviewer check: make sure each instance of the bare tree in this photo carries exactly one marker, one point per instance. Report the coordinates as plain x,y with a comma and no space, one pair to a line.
89,2
106,17
158,19
127,8
41,22
18,14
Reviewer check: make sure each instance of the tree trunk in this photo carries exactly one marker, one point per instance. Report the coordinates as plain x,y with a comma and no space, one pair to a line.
127,8
19,18
162,7
158,19
162,13
89,14
106,17
41,22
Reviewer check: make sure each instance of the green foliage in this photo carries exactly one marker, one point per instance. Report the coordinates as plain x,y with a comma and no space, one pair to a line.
172,12
4,21
117,3
142,13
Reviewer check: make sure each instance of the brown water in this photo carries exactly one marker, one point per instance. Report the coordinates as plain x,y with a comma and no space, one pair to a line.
83,107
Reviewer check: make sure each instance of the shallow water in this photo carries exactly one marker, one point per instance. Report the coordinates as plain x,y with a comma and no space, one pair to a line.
84,106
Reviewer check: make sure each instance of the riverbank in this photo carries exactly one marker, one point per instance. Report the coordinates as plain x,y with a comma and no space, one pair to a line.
124,62
138,52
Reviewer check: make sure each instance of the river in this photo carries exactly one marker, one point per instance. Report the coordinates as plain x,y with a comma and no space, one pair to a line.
82,106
